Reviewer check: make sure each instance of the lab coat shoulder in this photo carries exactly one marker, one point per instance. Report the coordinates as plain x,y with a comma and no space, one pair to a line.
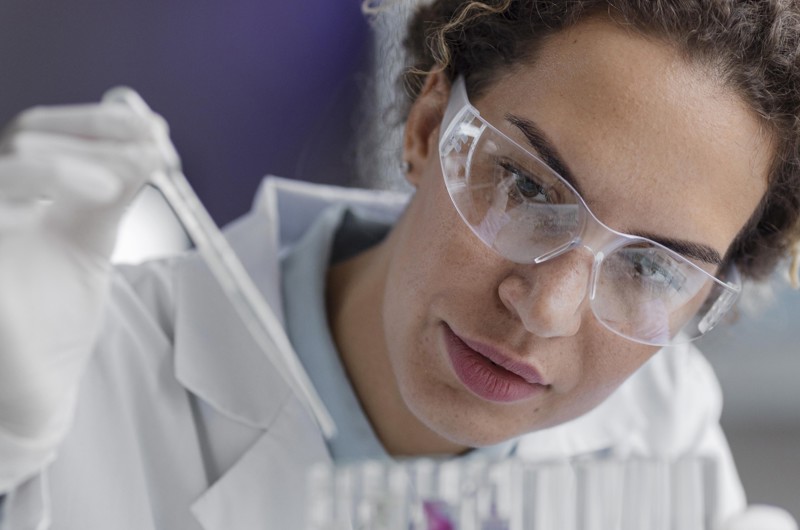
181,421
131,456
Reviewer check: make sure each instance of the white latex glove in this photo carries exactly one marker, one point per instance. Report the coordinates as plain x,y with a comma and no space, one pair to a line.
66,176
759,517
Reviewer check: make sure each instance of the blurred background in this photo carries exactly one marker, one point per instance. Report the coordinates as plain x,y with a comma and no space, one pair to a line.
254,87
248,87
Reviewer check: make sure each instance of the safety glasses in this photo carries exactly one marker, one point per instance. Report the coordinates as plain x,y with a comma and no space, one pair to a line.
527,213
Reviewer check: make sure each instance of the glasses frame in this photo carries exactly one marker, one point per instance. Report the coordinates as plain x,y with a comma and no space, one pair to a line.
602,239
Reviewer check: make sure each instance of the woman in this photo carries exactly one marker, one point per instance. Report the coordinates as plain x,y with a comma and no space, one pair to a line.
589,176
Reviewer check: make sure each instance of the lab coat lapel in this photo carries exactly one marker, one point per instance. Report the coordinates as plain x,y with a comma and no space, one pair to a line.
215,356
221,365
266,487
218,361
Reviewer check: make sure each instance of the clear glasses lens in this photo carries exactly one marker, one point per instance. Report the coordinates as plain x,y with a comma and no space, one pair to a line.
512,201
527,213
645,293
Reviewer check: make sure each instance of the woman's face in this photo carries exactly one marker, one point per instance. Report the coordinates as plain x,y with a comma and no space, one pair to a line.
657,146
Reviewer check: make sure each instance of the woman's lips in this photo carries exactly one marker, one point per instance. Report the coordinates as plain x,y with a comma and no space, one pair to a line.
490,374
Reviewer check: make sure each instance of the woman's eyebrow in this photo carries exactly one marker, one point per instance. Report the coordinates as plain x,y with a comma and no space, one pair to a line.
544,148
688,249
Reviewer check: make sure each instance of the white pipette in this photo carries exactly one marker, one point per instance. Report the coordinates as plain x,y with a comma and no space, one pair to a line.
226,267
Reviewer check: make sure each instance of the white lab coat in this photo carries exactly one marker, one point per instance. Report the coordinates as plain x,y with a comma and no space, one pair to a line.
182,423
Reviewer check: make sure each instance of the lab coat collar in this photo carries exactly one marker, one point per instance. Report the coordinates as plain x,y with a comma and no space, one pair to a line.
216,360
215,357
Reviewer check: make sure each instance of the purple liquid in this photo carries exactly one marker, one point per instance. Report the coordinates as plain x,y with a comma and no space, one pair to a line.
437,516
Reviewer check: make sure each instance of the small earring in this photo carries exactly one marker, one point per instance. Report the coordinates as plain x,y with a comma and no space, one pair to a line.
405,166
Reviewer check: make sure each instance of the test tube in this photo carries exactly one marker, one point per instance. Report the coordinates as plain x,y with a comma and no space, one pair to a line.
401,505
543,496
599,494
320,497
371,495
495,499
470,480
688,495
345,498
646,495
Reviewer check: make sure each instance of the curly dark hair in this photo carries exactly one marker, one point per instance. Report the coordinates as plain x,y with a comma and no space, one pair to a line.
752,45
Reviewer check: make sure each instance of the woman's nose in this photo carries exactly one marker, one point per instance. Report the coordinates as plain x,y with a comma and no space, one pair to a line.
548,298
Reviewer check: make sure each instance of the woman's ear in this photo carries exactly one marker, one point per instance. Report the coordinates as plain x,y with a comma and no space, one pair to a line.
421,138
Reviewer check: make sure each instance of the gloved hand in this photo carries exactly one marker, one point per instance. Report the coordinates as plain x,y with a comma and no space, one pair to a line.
66,177
759,517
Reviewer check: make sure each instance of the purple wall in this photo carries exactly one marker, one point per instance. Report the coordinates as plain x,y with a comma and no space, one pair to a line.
249,87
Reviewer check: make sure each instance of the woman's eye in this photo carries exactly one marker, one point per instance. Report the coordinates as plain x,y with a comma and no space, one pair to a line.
525,185
655,270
